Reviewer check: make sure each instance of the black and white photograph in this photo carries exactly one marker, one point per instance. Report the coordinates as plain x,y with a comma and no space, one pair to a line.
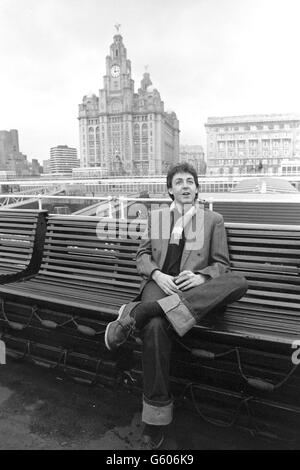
149,228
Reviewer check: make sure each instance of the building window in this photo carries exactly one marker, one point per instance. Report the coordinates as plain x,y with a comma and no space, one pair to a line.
136,141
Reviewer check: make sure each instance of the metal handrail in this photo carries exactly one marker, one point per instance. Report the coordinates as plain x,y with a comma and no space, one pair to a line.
123,201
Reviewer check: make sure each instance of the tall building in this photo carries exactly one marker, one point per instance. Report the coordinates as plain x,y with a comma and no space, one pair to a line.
35,167
193,154
63,159
251,144
9,146
123,132
11,159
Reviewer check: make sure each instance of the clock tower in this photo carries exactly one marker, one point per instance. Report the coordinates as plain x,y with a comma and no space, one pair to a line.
117,94
115,109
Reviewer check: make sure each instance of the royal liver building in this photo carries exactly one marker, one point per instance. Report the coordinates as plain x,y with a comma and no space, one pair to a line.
123,132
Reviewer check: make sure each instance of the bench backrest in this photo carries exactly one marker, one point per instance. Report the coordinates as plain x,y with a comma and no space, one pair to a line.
84,244
269,257
264,248
80,250
21,240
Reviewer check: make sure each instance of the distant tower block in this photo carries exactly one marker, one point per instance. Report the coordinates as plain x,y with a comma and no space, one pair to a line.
63,159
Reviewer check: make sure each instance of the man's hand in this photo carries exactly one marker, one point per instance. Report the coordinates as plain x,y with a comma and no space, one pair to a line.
165,282
187,279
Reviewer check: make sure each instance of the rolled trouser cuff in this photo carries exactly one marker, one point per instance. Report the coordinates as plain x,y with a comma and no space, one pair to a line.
177,313
157,415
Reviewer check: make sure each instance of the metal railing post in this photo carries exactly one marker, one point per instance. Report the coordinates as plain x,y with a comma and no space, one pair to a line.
110,207
122,203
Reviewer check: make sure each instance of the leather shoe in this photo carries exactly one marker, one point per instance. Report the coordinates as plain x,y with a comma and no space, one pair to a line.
117,332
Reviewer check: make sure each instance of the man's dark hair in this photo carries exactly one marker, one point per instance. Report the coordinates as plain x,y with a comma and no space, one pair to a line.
181,168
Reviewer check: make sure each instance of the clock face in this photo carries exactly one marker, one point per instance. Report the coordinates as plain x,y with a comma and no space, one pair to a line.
115,71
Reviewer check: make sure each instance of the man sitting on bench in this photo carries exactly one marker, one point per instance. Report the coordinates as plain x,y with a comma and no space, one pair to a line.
184,264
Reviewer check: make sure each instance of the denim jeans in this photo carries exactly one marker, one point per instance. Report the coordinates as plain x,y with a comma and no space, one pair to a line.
158,336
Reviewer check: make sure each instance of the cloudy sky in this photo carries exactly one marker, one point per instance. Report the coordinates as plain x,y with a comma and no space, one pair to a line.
206,57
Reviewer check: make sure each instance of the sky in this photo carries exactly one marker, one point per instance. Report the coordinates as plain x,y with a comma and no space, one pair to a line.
205,57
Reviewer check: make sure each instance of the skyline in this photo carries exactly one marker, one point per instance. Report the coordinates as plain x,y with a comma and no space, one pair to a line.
206,58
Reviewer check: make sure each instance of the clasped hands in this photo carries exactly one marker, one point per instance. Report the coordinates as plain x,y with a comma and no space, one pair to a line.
184,281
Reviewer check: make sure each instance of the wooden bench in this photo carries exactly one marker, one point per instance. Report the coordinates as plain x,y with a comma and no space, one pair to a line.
22,235
86,274
235,365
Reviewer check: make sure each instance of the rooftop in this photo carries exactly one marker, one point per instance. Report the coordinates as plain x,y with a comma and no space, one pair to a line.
264,185
252,118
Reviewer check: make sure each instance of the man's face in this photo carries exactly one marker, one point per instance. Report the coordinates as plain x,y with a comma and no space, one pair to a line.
183,188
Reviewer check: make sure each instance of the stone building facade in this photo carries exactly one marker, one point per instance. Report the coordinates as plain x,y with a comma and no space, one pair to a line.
193,154
123,132
251,144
